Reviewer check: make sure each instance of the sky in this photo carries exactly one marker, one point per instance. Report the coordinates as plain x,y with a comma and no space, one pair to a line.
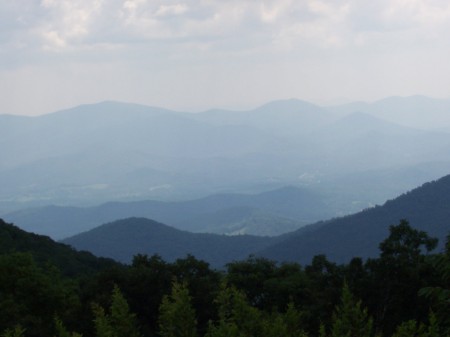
237,54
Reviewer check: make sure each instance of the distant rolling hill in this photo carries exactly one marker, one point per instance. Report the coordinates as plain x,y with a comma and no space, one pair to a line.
426,208
269,213
123,239
112,151
417,111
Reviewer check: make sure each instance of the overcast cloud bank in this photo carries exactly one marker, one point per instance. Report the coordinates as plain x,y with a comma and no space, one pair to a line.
235,54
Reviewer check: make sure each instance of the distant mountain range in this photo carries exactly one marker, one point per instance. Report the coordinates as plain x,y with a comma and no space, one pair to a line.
269,213
112,151
427,208
419,112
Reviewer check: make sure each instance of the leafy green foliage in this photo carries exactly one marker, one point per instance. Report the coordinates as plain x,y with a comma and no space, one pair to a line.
395,278
30,296
439,293
413,329
61,330
404,244
350,319
17,331
120,322
177,317
255,297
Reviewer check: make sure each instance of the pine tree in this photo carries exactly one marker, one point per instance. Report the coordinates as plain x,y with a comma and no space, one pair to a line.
350,319
102,322
119,323
61,330
407,329
292,318
122,320
440,295
176,315
18,331
236,314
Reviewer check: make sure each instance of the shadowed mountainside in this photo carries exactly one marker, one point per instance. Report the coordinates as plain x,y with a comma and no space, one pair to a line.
123,239
340,239
45,251
426,208
269,213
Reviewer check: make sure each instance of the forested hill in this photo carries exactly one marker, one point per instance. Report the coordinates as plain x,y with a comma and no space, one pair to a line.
44,250
390,296
426,208
125,238
284,210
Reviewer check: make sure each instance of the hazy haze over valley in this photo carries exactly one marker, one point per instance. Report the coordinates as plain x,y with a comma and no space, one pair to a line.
336,160
346,103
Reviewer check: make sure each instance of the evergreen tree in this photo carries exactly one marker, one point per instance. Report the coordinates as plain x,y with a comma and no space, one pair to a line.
177,317
440,294
412,328
61,330
293,319
102,322
18,331
283,324
350,319
407,329
120,322
236,316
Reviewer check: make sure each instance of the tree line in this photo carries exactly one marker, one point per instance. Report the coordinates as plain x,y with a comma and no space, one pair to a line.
403,292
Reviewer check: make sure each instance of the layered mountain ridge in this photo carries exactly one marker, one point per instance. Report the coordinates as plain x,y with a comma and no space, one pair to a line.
114,151
340,239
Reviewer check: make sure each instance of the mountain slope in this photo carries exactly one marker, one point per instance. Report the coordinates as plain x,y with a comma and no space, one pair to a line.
123,239
95,151
45,250
114,151
290,118
426,208
288,208
414,111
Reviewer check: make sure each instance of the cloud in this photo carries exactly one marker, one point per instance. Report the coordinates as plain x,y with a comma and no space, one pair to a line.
297,45
74,25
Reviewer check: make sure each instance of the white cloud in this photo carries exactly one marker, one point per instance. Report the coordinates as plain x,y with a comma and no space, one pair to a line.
168,10
68,22
307,41
71,25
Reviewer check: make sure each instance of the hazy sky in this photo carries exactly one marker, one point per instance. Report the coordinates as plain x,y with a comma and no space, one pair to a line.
197,54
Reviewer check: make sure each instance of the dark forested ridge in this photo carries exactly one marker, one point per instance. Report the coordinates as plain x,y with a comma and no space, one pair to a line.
404,292
45,250
125,238
426,207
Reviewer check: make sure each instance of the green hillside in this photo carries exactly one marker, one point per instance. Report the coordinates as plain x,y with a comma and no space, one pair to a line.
44,250
427,208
